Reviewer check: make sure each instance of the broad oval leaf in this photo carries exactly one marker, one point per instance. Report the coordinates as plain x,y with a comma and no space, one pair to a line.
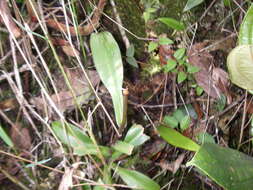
108,62
240,66
137,180
191,4
246,28
177,139
230,168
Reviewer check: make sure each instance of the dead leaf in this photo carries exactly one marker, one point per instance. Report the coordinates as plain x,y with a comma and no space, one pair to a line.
172,166
165,53
65,100
20,137
68,50
214,81
7,18
67,180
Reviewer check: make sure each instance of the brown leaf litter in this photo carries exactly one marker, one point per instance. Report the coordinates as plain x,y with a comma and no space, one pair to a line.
65,100
213,80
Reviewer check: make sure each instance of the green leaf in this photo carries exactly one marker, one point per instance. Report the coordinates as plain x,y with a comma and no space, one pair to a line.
107,58
199,90
136,180
240,66
5,137
132,61
98,187
192,69
165,41
181,77
77,139
179,54
227,3
171,64
246,28
185,123
172,23
152,46
37,163
205,138
179,114
130,51
229,168
192,3
177,139
124,147
135,135
170,121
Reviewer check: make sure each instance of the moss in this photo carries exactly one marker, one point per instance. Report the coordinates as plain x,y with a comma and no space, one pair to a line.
131,16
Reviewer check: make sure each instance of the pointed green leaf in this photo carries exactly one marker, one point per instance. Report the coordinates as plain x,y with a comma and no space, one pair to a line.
123,147
172,23
179,54
132,61
130,51
192,3
170,121
107,58
165,41
177,139
185,122
229,168
77,139
246,28
5,137
171,64
137,180
135,135
181,77
152,46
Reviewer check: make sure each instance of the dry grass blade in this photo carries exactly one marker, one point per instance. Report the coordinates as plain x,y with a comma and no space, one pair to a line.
7,19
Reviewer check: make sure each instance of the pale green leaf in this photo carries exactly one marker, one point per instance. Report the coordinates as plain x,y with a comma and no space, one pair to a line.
177,139
185,122
240,66
229,168
135,135
123,147
108,62
246,28
136,180
191,4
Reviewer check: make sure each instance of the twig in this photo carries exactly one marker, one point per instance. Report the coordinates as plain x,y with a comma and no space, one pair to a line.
121,30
